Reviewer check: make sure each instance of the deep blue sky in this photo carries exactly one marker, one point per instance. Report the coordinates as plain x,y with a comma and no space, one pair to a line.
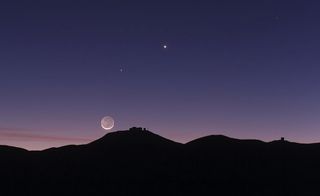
246,69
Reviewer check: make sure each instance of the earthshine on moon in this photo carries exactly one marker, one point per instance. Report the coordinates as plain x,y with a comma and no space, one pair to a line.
107,123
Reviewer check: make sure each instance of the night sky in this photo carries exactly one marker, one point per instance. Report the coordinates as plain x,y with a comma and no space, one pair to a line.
245,69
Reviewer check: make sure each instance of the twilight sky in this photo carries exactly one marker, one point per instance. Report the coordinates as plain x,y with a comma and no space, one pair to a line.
245,69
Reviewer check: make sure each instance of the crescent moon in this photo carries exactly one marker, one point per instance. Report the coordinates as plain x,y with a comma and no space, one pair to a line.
107,123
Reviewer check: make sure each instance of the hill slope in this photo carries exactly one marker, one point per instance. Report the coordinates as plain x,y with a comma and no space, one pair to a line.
139,162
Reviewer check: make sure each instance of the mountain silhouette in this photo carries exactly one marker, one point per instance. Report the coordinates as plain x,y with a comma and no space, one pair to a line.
132,139
139,162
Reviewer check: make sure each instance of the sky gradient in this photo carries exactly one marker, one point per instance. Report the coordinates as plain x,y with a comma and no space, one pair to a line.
246,69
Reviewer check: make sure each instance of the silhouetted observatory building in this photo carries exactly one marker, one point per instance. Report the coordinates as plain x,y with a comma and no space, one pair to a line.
137,129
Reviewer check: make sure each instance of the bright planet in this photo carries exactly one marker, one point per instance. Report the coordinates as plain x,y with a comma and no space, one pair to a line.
107,123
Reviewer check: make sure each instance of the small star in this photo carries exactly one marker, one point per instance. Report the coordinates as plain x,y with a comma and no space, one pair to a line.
121,70
165,46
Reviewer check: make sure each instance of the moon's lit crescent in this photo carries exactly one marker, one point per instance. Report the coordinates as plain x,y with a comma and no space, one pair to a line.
107,122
